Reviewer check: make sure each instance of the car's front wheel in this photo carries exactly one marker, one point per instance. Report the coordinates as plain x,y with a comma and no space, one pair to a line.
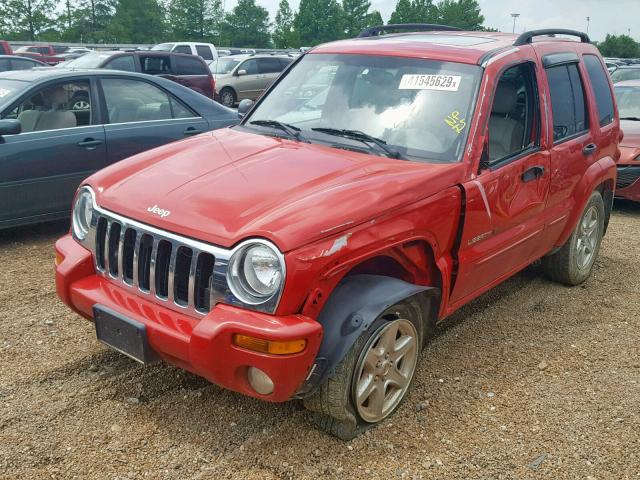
372,380
227,97
572,264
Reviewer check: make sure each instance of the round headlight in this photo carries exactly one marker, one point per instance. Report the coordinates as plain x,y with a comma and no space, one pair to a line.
255,273
82,213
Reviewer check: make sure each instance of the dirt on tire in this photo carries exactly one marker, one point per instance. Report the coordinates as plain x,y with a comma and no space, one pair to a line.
531,380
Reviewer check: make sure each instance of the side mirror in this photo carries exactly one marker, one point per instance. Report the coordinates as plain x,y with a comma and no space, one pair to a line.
241,72
244,106
10,127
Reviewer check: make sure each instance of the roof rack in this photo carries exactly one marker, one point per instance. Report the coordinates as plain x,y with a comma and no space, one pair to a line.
406,27
526,37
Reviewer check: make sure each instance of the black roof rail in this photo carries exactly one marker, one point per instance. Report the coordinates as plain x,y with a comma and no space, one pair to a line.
406,27
526,37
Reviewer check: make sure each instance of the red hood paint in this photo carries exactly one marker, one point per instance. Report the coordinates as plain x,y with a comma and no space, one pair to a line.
630,145
225,186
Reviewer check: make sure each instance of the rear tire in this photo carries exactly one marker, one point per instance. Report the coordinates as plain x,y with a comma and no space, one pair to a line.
572,264
372,380
227,97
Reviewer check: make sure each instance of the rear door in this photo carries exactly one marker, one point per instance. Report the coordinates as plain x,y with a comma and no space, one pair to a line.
193,73
139,115
59,146
574,137
505,203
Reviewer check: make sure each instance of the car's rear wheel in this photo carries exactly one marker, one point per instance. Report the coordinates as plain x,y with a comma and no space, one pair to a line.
572,264
371,381
227,97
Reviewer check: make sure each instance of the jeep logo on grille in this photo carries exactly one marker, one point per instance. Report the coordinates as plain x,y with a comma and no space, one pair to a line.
159,211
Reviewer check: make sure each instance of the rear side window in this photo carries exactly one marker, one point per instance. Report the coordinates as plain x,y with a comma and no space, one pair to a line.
269,65
567,101
156,65
182,49
204,51
190,66
601,89
125,63
19,64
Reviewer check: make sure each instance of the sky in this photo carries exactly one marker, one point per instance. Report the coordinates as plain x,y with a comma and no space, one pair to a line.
607,16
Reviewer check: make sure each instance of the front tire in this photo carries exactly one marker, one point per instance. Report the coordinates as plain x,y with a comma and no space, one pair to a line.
371,381
227,97
572,264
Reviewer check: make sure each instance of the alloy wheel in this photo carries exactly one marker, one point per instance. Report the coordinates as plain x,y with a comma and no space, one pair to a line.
587,237
385,369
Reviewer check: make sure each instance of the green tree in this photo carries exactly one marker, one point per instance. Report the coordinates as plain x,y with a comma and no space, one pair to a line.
319,21
374,18
403,12
464,14
28,18
355,16
619,46
284,35
195,19
424,11
246,26
137,21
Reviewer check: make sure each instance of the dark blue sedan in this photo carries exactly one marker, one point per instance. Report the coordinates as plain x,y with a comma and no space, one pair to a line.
59,126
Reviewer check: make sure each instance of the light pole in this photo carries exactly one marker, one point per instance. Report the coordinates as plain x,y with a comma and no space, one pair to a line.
588,19
514,15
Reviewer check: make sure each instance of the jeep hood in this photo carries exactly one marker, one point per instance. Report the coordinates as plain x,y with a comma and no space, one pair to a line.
224,186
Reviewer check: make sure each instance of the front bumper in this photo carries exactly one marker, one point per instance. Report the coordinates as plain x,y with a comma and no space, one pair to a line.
200,345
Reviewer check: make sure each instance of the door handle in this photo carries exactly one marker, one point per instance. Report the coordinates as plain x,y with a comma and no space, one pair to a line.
89,143
192,131
589,149
532,173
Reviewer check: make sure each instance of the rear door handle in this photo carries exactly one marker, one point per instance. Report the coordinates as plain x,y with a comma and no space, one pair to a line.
589,149
89,143
532,173
192,131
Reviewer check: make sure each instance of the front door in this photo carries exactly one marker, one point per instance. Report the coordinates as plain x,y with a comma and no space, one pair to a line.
505,204
140,116
60,145
249,83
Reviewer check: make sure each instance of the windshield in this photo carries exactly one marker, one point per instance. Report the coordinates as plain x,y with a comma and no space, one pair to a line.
10,89
418,108
90,60
628,99
163,47
625,74
224,65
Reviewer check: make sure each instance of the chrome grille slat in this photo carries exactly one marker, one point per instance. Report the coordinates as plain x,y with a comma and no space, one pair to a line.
106,246
192,278
152,266
120,253
172,269
136,254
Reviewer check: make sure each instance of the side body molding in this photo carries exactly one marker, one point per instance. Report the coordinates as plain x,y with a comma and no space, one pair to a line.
354,305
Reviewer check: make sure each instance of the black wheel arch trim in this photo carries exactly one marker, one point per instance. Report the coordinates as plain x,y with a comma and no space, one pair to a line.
354,305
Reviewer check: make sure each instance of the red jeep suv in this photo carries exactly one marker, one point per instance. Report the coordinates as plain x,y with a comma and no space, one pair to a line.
380,184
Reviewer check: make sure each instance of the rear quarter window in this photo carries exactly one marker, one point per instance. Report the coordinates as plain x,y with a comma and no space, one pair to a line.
600,84
190,66
204,51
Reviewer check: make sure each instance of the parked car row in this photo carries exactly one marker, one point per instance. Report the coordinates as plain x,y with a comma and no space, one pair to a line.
378,185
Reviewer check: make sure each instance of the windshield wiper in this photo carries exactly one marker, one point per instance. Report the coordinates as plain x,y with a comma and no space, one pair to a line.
635,119
290,130
363,137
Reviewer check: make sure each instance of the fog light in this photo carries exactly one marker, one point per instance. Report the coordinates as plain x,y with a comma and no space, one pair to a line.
259,381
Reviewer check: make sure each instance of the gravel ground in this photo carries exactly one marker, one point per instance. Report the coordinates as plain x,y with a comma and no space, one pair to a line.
532,380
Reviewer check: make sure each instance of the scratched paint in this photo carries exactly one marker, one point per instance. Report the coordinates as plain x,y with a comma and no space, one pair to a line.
338,245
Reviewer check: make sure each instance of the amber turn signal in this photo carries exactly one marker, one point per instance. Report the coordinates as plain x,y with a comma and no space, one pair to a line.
59,259
268,346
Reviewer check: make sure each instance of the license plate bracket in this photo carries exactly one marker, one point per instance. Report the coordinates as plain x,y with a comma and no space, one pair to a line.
123,334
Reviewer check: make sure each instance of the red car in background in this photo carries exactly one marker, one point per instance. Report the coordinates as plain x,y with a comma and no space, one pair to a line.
628,182
44,53
5,48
